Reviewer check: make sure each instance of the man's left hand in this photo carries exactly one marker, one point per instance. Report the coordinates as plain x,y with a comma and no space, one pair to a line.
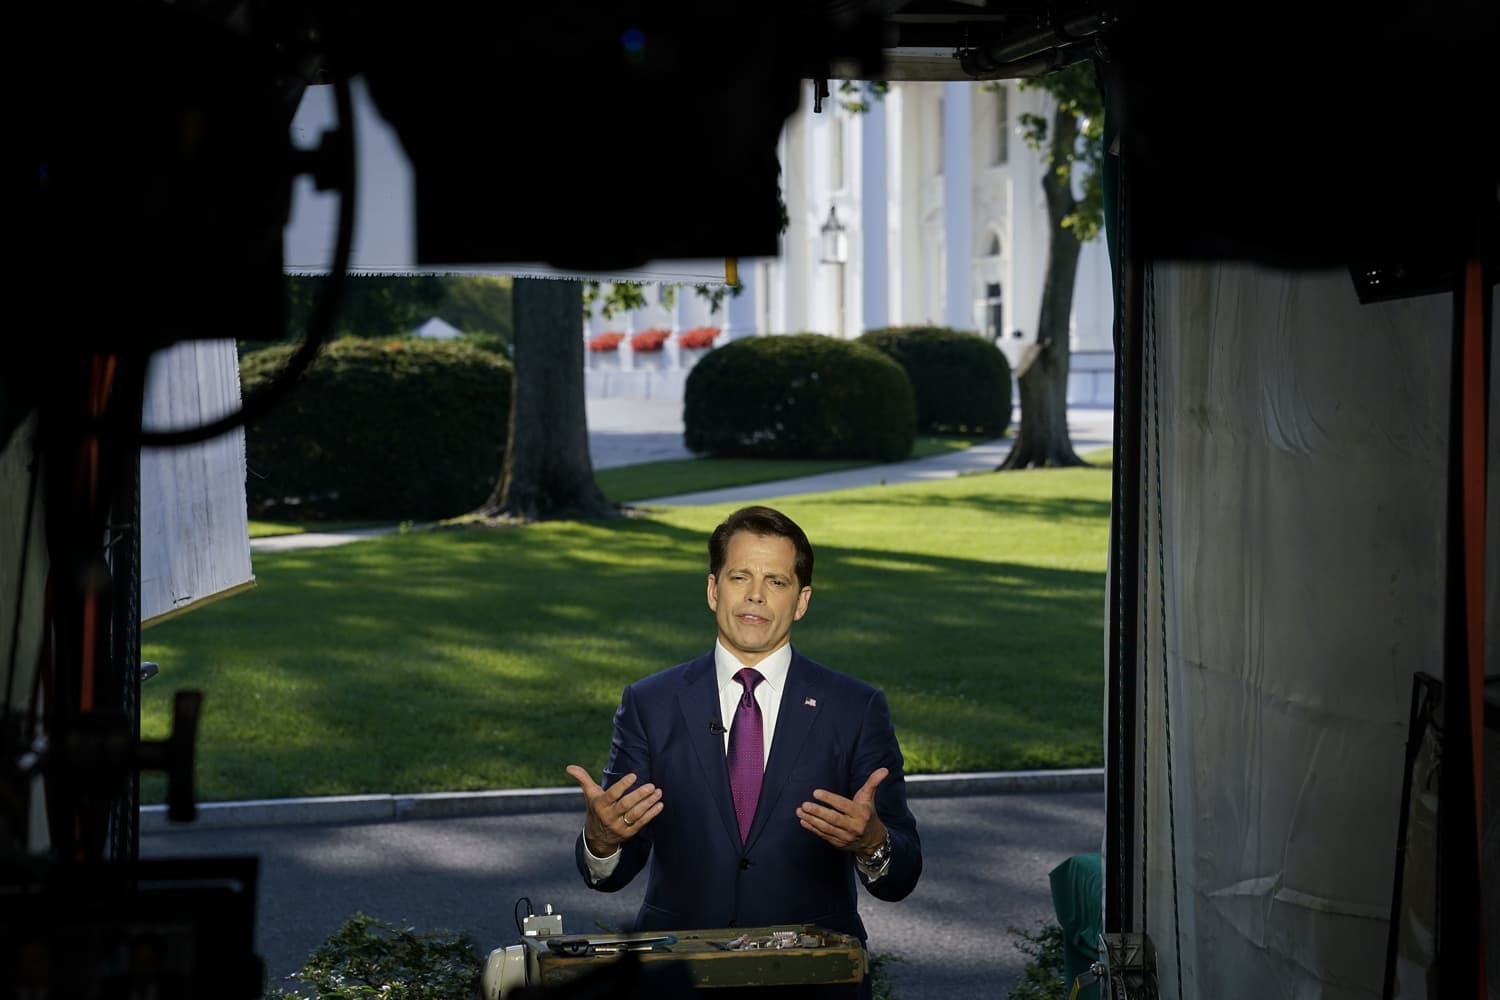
848,824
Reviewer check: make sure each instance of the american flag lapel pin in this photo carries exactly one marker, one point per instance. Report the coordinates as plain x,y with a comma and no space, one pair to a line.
810,702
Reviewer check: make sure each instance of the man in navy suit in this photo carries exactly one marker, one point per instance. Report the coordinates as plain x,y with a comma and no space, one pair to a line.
763,788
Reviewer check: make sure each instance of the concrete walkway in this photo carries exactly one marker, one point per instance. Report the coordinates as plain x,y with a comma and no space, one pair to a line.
1089,428
525,801
986,865
319,539
632,431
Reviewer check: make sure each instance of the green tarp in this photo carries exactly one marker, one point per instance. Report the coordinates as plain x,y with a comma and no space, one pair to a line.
1077,898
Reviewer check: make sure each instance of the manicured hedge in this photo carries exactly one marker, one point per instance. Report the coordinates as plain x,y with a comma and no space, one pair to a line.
799,396
404,429
961,380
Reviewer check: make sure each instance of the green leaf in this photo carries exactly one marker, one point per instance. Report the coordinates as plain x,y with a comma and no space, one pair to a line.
858,96
1077,92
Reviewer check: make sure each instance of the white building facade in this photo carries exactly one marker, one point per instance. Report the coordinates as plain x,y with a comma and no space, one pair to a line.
943,222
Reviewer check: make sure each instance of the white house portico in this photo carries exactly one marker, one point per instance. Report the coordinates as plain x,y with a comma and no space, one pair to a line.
925,209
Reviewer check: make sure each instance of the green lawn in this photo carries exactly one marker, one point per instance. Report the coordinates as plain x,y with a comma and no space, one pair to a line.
264,529
492,658
628,483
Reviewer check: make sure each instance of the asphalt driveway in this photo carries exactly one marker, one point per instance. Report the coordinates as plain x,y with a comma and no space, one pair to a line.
986,864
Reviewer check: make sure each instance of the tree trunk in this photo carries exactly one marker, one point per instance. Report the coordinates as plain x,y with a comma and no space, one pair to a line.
1043,439
548,473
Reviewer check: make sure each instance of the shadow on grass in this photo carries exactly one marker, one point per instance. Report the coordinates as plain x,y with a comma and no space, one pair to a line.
1053,509
493,658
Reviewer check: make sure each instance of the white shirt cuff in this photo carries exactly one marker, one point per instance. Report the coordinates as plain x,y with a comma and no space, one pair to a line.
599,868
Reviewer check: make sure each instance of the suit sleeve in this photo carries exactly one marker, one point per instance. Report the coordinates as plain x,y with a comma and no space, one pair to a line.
877,747
629,753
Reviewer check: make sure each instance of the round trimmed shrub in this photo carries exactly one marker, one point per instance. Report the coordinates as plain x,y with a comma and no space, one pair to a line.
961,380
405,429
801,395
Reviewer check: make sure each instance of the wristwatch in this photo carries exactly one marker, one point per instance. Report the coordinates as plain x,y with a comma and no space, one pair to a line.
878,859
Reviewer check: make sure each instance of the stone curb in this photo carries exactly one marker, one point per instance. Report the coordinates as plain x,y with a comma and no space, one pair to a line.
511,802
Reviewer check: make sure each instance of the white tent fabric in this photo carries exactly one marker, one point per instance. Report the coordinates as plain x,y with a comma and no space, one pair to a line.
1296,511
195,542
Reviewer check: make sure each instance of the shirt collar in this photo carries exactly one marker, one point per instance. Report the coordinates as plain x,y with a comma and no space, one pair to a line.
773,668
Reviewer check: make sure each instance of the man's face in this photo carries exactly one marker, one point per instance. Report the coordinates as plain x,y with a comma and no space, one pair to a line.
755,596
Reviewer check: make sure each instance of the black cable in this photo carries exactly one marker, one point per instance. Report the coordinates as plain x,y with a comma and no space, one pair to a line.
320,327
516,915
1124,583
1153,342
1148,412
15,625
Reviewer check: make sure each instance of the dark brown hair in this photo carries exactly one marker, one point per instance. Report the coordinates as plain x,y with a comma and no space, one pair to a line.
762,521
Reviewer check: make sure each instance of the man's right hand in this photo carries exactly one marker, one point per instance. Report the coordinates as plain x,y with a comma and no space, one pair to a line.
613,816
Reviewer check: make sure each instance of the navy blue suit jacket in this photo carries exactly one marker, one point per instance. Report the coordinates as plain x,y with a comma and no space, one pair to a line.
832,732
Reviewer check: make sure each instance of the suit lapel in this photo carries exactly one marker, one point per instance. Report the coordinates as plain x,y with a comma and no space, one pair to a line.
699,704
794,720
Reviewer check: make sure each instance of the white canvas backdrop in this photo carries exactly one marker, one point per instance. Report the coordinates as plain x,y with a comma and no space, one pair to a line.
1299,524
195,542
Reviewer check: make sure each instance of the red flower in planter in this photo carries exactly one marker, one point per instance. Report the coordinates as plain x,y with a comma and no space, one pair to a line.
649,340
702,336
607,341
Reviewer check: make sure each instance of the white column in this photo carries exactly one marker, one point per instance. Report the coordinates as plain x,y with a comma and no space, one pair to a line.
674,359
798,249
905,181
958,307
765,275
1029,228
875,267
739,310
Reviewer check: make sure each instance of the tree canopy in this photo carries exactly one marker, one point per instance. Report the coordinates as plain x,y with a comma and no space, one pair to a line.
388,305
1078,98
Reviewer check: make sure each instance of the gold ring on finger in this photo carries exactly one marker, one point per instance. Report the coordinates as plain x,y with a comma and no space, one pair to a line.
629,821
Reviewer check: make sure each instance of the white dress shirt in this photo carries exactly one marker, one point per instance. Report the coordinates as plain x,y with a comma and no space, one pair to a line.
773,669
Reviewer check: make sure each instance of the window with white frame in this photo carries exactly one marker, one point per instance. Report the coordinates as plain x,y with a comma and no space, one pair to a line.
991,305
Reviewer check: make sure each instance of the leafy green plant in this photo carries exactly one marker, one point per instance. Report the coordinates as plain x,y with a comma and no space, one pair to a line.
800,395
392,429
961,380
368,959
491,342
372,305
1042,979
479,305
880,975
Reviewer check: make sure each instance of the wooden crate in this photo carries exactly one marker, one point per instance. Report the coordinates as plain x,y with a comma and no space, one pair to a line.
839,958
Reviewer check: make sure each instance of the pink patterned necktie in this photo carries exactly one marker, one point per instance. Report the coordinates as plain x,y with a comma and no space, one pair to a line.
746,752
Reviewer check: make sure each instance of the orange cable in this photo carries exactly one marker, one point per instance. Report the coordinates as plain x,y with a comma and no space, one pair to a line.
100,382
1473,444
1473,456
